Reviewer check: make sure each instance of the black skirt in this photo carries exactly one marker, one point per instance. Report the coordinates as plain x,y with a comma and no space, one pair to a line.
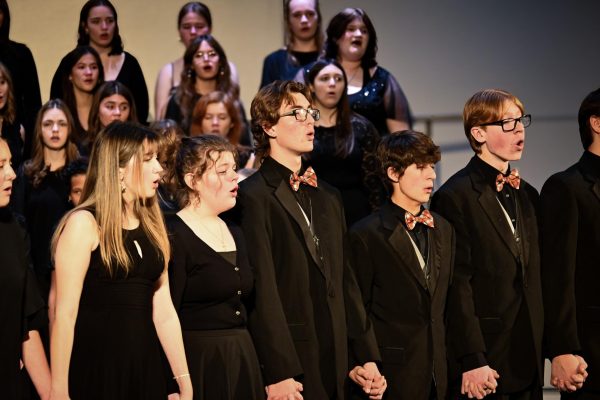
223,365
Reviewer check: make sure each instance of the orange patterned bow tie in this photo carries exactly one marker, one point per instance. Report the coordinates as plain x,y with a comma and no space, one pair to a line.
425,218
308,178
513,180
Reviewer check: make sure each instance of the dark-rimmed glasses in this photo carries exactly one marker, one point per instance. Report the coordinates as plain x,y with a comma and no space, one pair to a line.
509,125
302,113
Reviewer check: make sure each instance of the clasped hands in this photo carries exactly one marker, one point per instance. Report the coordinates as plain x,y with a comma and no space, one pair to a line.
369,379
568,372
479,382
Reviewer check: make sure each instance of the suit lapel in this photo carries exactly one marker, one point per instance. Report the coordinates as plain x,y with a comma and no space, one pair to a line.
284,195
492,209
401,244
288,201
525,212
434,259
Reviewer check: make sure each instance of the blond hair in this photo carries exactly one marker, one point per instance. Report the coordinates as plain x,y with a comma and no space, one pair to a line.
114,147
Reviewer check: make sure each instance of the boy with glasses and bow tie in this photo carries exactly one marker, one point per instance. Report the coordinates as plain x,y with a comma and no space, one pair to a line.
308,310
495,318
403,259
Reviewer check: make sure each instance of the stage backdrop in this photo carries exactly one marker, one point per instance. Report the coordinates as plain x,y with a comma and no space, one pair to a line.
440,52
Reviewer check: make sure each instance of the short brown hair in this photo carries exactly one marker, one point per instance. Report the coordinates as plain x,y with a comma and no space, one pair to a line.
485,106
401,149
265,106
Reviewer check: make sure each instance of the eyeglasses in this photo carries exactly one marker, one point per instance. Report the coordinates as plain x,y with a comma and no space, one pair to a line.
509,125
302,113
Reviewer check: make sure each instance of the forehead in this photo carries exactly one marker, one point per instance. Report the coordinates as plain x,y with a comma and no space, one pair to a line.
302,5
216,107
78,179
100,11
330,69
4,151
192,17
149,147
511,109
204,46
87,58
114,98
356,22
298,100
54,113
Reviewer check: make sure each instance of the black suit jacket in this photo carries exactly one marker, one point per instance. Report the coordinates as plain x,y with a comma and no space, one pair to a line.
281,250
495,275
407,312
570,228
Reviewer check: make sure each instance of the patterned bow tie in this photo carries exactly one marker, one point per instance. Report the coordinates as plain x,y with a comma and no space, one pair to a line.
308,178
513,180
425,218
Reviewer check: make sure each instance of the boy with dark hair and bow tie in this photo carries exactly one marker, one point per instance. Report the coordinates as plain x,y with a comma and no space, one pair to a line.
495,318
403,258
570,226
308,312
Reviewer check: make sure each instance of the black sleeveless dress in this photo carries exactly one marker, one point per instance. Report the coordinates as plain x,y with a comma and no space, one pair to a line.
116,353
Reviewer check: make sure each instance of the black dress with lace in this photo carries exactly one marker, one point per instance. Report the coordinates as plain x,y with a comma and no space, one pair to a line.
354,175
379,99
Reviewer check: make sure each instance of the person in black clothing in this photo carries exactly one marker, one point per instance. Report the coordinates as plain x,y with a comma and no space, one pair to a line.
98,27
22,310
210,276
205,70
114,311
373,92
345,143
112,102
308,316
81,74
570,222
10,128
496,317
304,41
20,63
42,195
403,257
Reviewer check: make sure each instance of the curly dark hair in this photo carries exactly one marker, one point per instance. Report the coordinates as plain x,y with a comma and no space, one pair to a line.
401,149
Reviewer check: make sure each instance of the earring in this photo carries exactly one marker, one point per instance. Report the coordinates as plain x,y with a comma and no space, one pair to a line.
189,73
123,188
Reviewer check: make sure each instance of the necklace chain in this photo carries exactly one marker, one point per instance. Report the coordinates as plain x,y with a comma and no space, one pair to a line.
220,237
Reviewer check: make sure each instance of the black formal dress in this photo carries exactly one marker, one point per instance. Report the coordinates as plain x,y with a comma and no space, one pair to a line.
130,75
20,63
379,99
495,303
284,65
210,291
570,232
308,309
21,306
404,300
351,175
116,352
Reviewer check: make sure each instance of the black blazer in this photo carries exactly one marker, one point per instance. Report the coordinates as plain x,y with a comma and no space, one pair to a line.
570,231
407,312
281,250
495,273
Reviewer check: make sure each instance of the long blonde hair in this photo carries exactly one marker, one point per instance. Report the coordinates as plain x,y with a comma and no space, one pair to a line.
114,147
